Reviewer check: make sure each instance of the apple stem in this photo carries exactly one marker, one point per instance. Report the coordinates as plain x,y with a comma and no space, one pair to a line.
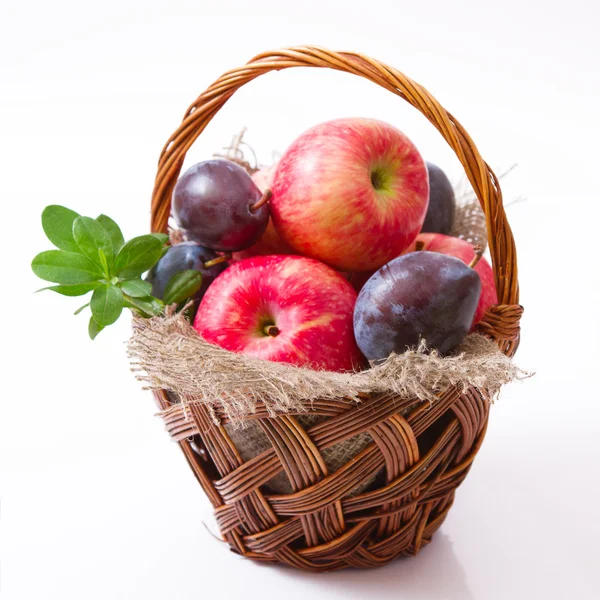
265,198
478,254
271,330
217,261
419,246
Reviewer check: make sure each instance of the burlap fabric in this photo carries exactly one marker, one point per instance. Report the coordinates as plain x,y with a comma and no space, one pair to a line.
167,353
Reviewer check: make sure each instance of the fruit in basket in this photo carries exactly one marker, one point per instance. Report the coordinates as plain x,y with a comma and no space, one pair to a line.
288,309
214,205
418,296
187,256
442,202
352,193
270,242
445,244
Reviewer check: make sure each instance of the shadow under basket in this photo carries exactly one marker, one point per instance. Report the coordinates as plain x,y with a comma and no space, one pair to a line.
388,499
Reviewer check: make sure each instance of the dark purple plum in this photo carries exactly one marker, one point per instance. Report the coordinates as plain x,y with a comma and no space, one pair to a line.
442,203
211,204
420,295
183,257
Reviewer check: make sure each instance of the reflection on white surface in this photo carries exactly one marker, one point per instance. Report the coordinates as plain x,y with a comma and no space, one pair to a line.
435,572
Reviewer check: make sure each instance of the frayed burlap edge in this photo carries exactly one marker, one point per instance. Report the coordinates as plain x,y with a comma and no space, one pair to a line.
167,353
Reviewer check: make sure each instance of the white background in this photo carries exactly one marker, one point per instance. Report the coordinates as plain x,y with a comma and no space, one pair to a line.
96,502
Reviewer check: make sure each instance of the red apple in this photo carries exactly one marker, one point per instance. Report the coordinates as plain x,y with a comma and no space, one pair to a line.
270,242
283,308
352,193
446,244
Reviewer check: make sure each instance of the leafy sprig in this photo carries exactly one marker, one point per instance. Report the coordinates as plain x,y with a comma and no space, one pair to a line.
92,256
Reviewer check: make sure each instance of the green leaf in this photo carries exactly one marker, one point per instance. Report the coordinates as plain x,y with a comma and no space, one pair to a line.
114,232
182,286
94,328
103,261
91,237
147,305
136,288
137,256
65,267
81,308
107,304
163,238
73,290
57,222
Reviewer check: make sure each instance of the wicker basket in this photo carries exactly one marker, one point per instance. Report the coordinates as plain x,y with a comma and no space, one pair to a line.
422,452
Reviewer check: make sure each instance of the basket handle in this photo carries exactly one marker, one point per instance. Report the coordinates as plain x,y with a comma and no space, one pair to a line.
482,178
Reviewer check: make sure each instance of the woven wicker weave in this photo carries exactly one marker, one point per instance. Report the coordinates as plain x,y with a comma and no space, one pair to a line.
422,457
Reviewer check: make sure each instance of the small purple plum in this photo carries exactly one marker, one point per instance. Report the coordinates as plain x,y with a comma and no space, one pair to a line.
214,205
183,257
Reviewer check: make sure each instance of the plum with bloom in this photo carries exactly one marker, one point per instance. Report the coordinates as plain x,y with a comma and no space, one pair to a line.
216,204
452,246
419,296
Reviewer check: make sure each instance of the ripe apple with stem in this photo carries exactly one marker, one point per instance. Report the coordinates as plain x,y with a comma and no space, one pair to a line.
352,193
288,309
